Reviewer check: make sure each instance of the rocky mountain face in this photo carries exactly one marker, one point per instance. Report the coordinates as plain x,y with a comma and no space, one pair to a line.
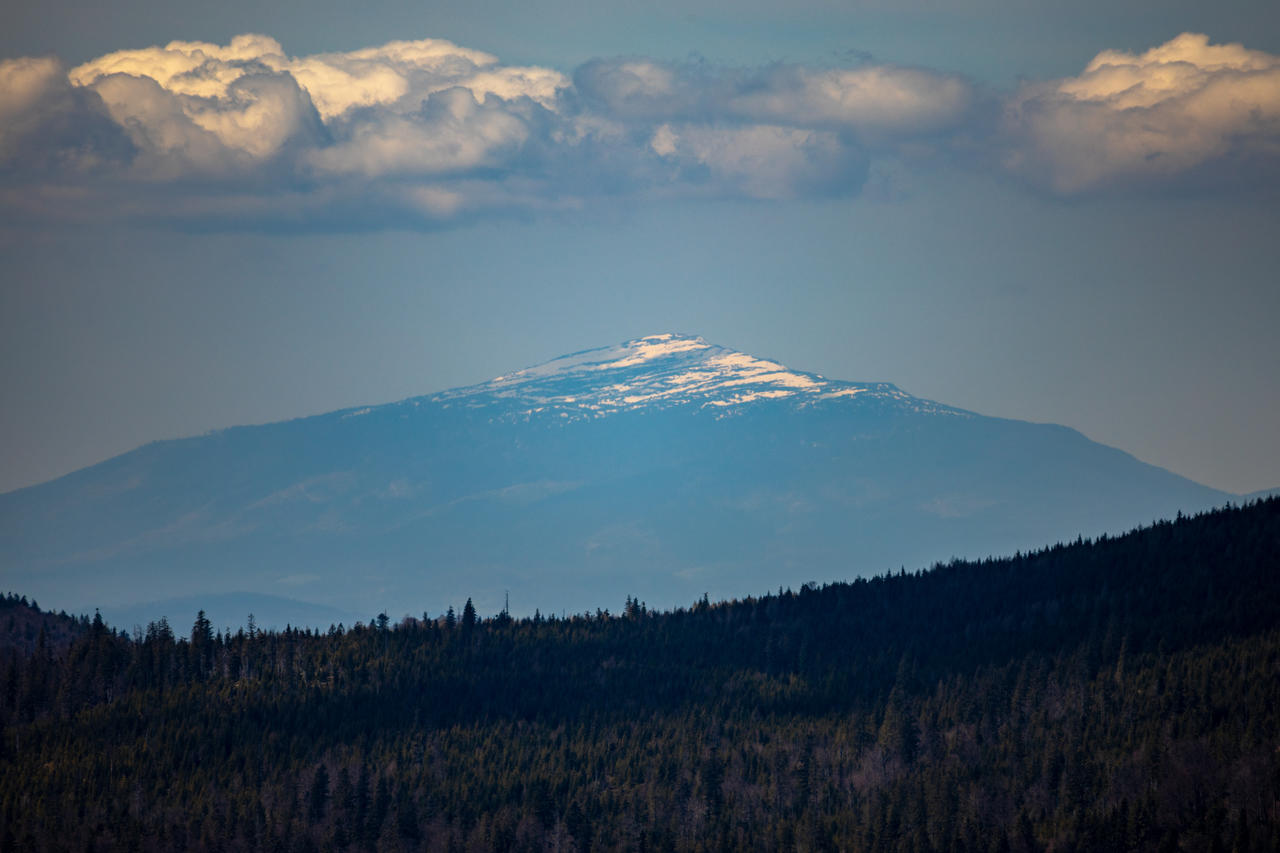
662,468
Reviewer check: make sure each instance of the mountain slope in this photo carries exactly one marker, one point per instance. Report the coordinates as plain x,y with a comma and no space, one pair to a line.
664,468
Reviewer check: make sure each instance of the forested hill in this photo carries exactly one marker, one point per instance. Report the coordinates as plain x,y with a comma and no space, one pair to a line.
26,628
1119,694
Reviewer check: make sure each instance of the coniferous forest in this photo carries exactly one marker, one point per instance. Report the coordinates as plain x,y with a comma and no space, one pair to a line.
1118,694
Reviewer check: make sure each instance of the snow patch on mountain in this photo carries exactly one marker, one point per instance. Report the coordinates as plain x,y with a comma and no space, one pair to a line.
658,372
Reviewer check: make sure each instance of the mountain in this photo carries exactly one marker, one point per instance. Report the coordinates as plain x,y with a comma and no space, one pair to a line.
664,468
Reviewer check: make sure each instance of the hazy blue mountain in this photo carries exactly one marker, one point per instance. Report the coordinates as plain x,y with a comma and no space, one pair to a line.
663,468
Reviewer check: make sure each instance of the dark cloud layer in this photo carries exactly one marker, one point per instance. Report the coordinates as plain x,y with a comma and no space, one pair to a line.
430,132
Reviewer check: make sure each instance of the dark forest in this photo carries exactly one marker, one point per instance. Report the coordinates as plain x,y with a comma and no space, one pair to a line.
1115,694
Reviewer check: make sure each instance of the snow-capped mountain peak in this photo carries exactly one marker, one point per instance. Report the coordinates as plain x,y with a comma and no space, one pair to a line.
656,371
663,467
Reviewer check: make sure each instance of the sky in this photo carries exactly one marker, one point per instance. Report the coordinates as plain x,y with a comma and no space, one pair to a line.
233,213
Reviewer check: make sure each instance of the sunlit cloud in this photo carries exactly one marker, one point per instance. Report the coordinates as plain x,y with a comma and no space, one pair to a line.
431,131
1187,111
421,132
397,75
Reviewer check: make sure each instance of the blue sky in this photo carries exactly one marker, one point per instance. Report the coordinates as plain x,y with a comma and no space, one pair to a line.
1057,212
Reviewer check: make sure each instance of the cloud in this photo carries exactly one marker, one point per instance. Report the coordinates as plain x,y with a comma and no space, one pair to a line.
204,132
177,135
1185,113
642,90
875,102
426,132
24,82
397,75
762,161
48,126
452,132
882,102
405,107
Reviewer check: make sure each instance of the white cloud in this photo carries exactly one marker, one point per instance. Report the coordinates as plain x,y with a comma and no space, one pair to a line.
639,88
436,202
664,141
251,120
403,107
336,87
539,84
1186,109
184,67
27,85
430,131
764,161
875,100
170,142
48,126
24,82
879,100
400,73
451,133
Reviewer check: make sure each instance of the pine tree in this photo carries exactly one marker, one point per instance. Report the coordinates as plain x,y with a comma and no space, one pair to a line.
202,631
318,797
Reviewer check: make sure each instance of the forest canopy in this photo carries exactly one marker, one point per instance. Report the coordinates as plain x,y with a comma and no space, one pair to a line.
1122,693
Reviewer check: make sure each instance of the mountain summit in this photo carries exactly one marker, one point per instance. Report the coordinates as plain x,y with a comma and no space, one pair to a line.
663,467
657,372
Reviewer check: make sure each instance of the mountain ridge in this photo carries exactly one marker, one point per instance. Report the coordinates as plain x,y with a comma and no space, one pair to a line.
723,473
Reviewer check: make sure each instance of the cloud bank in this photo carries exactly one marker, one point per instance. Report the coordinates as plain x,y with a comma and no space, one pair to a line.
427,131
1185,112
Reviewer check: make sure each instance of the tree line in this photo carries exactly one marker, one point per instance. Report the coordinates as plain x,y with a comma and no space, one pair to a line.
1117,694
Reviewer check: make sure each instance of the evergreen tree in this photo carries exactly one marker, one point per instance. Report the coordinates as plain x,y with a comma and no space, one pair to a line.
318,797
201,631
468,618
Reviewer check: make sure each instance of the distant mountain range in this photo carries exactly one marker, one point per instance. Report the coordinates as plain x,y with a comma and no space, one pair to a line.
662,468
